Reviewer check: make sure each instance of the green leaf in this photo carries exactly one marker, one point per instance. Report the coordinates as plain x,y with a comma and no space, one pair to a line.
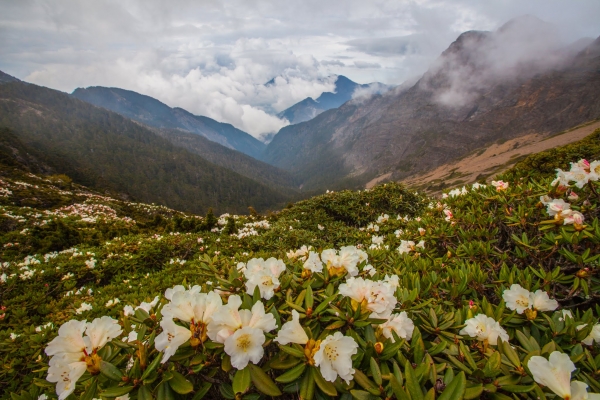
153,365
456,389
90,391
412,383
241,381
307,387
518,388
179,384
309,300
325,386
473,392
203,390
263,382
110,371
116,391
292,374
144,393
397,389
375,371
292,351
362,395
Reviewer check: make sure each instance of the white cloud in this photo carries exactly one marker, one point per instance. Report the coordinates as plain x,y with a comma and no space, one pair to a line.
213,57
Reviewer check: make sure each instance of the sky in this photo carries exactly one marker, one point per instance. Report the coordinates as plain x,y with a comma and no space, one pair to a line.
213,57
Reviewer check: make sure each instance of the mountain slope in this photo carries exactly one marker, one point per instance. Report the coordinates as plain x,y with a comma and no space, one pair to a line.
309,108
230,159
104,150
152,112
473,95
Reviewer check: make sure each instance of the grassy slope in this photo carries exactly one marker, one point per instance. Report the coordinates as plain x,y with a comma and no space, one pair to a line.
496,240
104,150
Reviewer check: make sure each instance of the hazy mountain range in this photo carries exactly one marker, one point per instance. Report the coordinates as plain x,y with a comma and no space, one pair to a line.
345,89
486,87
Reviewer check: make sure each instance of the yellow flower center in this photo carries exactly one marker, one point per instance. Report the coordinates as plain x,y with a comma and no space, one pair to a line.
244,342
93,363
267,281
199,334
331,352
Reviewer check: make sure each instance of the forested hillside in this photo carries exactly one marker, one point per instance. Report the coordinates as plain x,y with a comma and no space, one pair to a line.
103,150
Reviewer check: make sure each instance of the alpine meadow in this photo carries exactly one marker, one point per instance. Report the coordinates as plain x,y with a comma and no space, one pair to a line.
226,213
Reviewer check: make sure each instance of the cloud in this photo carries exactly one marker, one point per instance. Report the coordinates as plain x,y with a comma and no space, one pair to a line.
521,48
213,57
365,64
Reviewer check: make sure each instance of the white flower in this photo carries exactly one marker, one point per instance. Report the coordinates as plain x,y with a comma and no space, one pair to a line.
406,246
229,318
377,240
565,314
573,217
500,185
594,171
148,306
593,336
579,392
13,336
264,274
128,310
266,282
369,269
557,206
71,352
517,298
245,345
541,301
83,307
171,338
478,185
334,357
320,227
42,397
555,373
399,323
562,178
313,262
375,296
484,328
292,332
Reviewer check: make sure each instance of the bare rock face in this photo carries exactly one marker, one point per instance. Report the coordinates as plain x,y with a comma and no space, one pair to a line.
486,86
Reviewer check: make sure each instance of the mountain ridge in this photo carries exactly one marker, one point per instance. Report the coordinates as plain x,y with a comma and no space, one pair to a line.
153,112
465,100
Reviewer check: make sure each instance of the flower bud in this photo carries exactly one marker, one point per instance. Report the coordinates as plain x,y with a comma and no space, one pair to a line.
378,347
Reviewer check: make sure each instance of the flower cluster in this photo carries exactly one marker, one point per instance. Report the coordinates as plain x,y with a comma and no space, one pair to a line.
522,300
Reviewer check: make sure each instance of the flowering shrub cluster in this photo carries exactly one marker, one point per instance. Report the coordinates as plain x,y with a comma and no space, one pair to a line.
382,293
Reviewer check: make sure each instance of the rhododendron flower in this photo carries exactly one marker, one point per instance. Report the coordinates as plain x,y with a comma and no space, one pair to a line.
346,260
171,338
556,207
573,218
334,357
594,171
229,318
478,185
562,178
292,332
541,301
593,336
484,328
555,373
573,196
520,299
72,353
375,296
517,298
264,274
500,185
313,262
399,323
406,246
301,253
449,214
245,345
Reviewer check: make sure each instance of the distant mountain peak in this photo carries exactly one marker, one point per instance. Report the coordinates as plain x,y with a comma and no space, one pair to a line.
6,78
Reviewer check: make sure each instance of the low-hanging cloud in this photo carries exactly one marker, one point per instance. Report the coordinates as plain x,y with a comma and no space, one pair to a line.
213,58
478,60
